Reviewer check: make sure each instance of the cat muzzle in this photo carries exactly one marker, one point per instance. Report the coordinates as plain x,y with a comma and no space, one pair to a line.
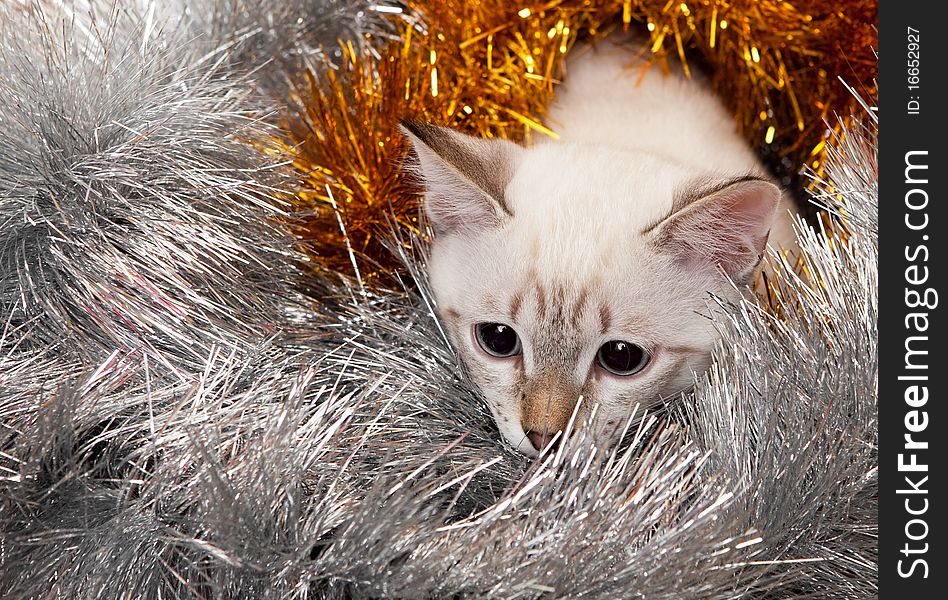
546,411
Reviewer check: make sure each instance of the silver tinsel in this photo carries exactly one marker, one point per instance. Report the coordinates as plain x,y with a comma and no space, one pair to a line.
272,39
185,412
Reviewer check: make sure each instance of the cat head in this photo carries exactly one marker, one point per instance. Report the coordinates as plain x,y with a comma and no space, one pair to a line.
566,271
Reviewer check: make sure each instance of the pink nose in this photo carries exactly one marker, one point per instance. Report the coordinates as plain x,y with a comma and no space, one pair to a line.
540,439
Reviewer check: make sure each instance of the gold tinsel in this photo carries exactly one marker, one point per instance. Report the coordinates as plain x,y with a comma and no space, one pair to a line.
489,67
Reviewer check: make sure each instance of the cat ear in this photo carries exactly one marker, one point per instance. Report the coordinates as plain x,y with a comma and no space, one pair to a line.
465,177
726,226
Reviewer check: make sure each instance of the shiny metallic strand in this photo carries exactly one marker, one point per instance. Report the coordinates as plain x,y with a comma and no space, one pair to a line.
858,140
326,445
135,212
266,467
294,34
790,407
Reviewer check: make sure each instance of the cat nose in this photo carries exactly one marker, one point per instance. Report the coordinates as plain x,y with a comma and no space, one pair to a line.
540,439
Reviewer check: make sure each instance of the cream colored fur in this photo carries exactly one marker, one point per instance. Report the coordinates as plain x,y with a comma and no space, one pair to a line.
582,247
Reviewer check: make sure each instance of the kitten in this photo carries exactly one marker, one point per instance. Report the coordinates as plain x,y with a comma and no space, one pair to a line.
582,267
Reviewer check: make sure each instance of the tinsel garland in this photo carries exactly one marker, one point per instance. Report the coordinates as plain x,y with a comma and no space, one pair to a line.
188,410
490,67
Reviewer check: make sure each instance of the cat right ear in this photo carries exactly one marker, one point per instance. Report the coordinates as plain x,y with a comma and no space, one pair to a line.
723,227
465,177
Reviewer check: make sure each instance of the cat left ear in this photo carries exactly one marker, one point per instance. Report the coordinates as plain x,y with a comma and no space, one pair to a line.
465,177
725,227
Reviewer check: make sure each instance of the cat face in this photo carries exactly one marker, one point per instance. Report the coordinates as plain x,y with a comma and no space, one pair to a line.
573,276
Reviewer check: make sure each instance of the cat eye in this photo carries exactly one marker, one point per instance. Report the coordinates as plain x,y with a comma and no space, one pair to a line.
622,358
497,339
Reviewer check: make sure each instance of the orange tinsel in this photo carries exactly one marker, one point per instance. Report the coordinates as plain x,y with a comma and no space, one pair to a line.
489,67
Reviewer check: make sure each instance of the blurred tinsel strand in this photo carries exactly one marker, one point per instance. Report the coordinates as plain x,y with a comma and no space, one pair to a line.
490,67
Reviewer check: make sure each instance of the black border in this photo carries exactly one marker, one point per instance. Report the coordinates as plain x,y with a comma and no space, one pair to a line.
901,132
